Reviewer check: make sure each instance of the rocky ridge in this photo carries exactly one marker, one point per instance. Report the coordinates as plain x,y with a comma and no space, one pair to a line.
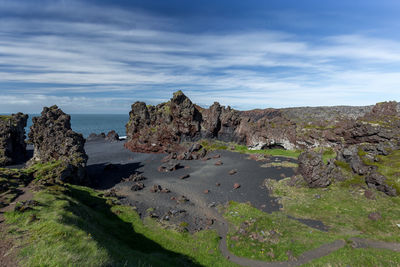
12,138
54,140
163,128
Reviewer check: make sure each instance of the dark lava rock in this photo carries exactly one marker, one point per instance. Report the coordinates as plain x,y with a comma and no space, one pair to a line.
54,140
112,136
12,138
96,137
184,176
182,199
374,216
167,126
111,193
158,189
232,172
137,186
378,182
315,172
218,163
135,177
169,167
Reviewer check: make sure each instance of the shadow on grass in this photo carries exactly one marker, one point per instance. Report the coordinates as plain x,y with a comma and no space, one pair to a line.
116,236
105,175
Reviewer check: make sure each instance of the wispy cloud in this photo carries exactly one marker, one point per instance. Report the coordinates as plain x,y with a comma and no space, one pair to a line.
105,63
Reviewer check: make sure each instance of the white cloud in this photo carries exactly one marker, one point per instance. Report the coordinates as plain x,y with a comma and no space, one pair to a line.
131,52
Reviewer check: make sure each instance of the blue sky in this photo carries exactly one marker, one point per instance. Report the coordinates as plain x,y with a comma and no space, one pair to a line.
101,56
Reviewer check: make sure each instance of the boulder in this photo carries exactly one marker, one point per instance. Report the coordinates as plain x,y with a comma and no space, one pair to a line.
112,136
12,138
378,182
54,140
96,137
315,172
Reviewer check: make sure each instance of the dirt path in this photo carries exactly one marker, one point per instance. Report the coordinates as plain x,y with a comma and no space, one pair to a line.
222,227
7,248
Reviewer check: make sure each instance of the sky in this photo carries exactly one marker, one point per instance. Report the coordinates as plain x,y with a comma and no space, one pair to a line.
101,56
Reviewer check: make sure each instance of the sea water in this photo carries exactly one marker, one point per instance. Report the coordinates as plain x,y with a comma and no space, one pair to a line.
94,123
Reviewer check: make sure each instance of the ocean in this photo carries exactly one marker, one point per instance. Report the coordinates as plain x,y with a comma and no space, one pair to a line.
93,123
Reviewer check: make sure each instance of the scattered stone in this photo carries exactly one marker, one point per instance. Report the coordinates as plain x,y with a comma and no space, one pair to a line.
212,204
209,221
236,185
111,193
165,190
232,172
184,176
218,163
137,186
218,184
169,167
374,216
156,188
182,199
135,177
206,191
217,156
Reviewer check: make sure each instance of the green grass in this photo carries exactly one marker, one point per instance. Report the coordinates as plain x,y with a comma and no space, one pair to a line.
285,164
277,152
269,237
343,208
75,226
365,257
389,166
5,117
212,145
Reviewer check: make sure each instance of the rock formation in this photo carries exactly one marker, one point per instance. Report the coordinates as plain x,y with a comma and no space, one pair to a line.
163,128
361,158
315,172
12,138
54,140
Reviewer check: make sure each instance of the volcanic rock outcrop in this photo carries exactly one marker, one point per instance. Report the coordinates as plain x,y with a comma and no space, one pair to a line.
163,128
54,140
12,138
315,172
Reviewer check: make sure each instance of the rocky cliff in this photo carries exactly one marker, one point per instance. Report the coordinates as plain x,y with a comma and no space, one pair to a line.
54,140
12,138
165,126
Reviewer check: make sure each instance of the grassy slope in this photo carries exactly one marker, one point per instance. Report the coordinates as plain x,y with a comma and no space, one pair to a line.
277,234
75,226
342,207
